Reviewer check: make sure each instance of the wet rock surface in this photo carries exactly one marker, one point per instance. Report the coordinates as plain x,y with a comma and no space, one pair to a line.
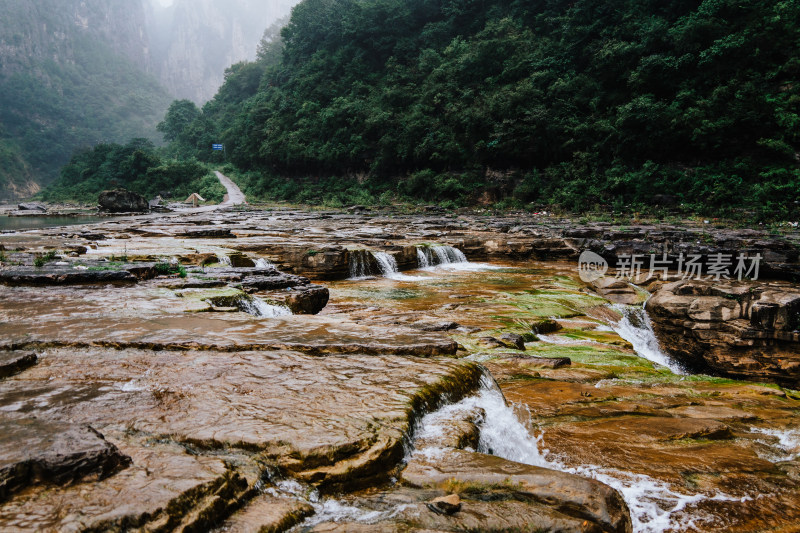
15,362
33,451
224,411
738,329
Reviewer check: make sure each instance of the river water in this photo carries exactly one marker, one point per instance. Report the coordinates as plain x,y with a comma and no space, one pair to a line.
35,222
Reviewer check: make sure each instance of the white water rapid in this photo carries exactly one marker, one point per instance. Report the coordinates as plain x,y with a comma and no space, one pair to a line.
635,327
654,505
257,307
264,264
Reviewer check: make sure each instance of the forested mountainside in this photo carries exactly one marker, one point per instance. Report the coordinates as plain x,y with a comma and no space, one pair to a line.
75,73
72,73
578,103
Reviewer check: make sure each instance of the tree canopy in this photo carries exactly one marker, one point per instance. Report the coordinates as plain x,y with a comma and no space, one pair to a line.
579,103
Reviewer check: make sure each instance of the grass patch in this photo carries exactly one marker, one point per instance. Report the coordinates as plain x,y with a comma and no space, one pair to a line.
40,260
167,269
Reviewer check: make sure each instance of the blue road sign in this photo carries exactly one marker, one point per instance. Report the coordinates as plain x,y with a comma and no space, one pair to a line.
216,147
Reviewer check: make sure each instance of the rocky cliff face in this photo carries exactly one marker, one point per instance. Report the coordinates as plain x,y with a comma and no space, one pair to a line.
72,73
196,40
77,72
745,330
49,30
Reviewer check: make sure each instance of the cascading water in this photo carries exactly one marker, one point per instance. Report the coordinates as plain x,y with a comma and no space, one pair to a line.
224,260
386,263
422,258
264,264
359,264
257,307
328,509
635,327
366,263
655,507
439,254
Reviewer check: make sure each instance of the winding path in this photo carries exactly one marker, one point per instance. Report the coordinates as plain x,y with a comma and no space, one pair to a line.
234,197
235,194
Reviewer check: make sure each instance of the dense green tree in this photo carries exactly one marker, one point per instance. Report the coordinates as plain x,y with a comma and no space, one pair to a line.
572,102
136,166
180,115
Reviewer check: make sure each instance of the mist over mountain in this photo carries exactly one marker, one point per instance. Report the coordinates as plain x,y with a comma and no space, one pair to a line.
194,41
74,73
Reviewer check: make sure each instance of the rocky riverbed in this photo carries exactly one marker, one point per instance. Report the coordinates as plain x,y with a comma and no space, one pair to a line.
273,370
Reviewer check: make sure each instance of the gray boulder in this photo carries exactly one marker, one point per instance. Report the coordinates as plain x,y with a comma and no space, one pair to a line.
32,206
122,201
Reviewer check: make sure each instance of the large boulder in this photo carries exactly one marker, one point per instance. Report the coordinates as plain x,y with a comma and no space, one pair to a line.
32,206
308,300
745,330
123,201
36,451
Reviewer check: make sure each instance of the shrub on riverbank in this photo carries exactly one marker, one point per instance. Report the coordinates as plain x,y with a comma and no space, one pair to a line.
136,166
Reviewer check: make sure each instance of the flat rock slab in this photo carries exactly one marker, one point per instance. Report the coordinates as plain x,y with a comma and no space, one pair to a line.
15,362
546,362
65,277
267,513
164,489
34,451
475,515
658,428
314,335
715,412
570,495
331,420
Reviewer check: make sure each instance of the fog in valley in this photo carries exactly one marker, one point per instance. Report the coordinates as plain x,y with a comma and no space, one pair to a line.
194,41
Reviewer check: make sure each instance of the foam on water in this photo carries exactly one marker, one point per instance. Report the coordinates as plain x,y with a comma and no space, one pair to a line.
264,264
654,505
788,443
330,509
257,307
635,327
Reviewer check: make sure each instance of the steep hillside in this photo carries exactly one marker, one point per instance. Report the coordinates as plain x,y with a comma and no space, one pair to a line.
194,41
579,103
71,74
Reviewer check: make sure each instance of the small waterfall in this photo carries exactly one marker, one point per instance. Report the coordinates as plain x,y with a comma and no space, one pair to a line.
439,254
224,260
359,264
448,255
257,307
655,507
264,264
367,263
386,263
422,258
636,328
